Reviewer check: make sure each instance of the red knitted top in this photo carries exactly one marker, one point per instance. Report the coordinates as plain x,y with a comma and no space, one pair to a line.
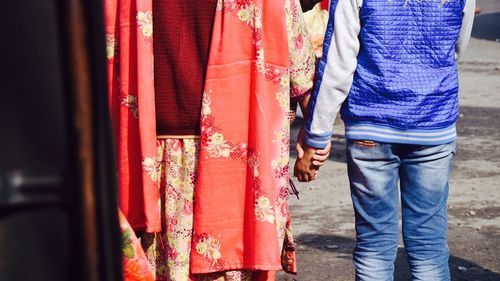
182,32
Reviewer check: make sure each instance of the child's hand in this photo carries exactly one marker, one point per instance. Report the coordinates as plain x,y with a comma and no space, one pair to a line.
309,159
304,169
321,155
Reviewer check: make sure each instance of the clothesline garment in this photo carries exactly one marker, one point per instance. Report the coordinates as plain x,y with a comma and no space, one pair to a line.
225,214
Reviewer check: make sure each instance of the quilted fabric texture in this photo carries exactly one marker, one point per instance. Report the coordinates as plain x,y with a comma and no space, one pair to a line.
406,76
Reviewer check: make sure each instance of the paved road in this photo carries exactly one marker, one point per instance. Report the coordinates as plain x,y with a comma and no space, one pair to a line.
323,217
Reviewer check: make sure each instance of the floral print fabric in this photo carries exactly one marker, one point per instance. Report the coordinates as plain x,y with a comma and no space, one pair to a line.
129,52
135,262
241,216
169,251
316,21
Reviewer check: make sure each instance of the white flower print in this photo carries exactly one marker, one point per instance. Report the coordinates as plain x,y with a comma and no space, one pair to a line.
145,22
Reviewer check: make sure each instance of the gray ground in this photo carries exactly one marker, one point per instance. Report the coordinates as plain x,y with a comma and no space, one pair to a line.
323,217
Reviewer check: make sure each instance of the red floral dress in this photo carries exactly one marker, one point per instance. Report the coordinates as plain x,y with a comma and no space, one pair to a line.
213,207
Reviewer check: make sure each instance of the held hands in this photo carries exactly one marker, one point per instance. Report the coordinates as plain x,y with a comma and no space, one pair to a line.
309,159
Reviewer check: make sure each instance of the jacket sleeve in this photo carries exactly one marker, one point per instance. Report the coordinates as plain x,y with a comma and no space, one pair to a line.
466,29
335,71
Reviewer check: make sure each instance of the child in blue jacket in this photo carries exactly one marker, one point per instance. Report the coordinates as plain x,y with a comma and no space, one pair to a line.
389,67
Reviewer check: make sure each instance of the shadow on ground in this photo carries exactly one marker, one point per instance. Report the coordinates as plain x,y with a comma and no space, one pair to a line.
487,27
461,269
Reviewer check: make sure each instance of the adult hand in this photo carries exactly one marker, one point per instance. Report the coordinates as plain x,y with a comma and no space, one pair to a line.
300,143
304,169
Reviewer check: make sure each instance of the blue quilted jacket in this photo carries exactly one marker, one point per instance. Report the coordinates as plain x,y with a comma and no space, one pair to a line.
406,76
405,85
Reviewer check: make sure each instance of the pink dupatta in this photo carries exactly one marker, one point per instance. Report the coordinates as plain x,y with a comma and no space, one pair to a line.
129,39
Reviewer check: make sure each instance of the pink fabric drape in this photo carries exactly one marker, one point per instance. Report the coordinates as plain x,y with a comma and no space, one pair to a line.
260,56
129,38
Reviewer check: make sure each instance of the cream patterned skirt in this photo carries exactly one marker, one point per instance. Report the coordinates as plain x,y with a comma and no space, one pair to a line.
168,251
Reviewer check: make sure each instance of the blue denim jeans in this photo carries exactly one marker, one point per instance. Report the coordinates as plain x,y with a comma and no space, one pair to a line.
422,172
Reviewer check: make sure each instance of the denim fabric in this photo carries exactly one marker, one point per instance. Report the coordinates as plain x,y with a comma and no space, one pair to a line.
422,172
